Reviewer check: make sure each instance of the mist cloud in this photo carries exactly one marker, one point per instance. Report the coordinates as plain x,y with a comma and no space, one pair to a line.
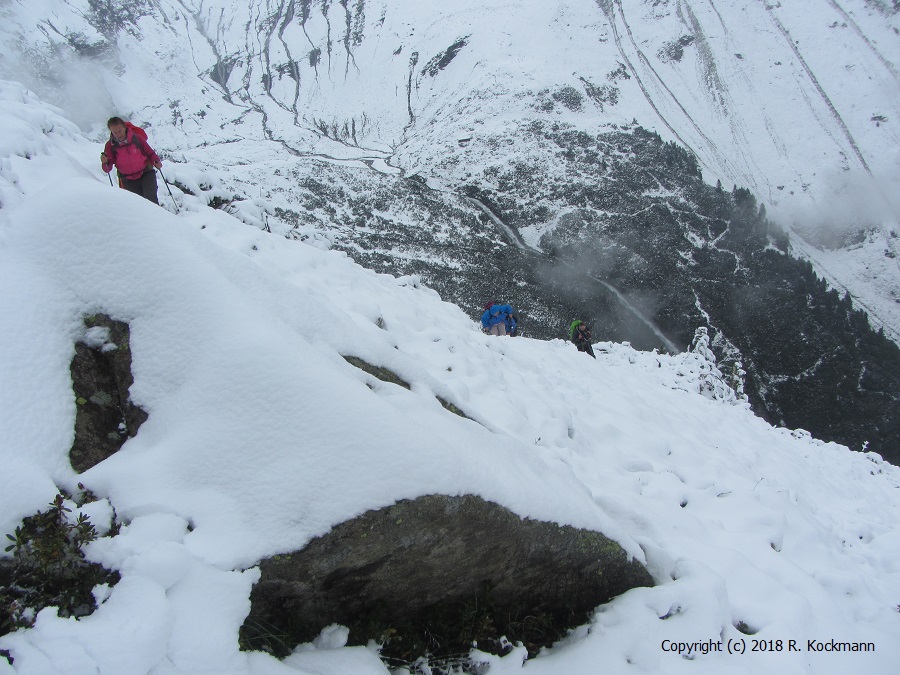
853,202
61,76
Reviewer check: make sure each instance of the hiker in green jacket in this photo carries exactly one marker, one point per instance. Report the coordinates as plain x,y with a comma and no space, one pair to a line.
580,335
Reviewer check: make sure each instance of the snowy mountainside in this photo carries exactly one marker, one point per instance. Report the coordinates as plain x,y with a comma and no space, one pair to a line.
375,124
261,436
747,87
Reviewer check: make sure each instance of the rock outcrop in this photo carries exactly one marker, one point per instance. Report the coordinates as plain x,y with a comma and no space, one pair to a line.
435,574
101,377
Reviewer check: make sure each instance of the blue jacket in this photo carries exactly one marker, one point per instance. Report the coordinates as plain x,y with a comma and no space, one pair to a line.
499,314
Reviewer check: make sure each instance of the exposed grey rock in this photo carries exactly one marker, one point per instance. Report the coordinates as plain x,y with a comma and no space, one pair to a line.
387,375
101,377
435,574
382,373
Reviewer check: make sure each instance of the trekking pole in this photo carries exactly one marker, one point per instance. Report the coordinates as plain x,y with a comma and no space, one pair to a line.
169,189
265,216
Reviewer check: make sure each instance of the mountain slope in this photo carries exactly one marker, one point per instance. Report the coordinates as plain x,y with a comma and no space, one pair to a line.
260,436
324,108
744,87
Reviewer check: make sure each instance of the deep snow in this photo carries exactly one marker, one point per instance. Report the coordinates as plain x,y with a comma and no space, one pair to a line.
261,436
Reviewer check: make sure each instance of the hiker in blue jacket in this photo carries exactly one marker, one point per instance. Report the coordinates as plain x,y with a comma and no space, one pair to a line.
499,319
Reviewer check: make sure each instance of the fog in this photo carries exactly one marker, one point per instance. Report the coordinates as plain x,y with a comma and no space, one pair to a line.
854,202
62,77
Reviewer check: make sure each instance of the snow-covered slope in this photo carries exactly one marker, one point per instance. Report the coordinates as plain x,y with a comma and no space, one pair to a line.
799,103
748,87
261,436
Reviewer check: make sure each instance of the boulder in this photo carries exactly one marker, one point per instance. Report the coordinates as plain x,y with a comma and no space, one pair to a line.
101,377
436,574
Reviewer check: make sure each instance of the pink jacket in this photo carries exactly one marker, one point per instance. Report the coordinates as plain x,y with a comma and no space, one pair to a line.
131,157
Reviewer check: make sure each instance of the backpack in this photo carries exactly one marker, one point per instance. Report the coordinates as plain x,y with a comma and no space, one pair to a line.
573,328
137,131
139,138
512,323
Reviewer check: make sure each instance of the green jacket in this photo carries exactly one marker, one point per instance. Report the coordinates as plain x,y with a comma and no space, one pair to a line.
573,328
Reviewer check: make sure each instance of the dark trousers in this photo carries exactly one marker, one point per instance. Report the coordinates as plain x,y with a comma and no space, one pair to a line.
586,348
145,186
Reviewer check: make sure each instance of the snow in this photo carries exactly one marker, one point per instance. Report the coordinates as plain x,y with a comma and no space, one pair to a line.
798,104
261,436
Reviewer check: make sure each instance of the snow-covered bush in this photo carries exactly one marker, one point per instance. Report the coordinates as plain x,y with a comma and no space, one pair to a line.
48,567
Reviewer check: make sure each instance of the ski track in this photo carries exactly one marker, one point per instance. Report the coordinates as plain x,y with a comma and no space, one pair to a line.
758,178
888,241
716,87
607,9
716,10
709,146
850,22
835,115
722,97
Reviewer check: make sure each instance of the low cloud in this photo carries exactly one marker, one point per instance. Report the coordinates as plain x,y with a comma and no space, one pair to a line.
853,203
64,78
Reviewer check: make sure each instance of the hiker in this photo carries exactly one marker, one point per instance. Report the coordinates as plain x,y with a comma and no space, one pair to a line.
499,319
580,335
134,159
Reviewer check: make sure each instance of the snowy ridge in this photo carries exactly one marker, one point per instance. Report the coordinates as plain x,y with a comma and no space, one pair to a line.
261,436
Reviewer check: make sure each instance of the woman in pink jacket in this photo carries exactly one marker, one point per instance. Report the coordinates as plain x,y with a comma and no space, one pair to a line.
133,159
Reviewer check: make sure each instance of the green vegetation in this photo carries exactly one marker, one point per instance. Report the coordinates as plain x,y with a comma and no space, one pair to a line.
48,567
